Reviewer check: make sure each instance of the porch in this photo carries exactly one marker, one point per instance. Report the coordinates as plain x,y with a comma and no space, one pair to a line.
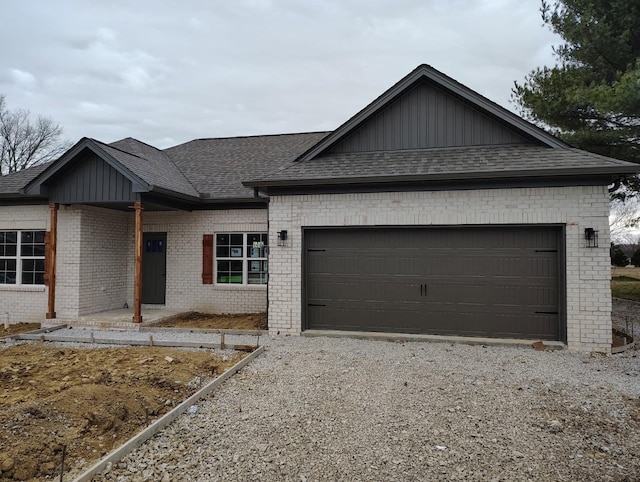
118,319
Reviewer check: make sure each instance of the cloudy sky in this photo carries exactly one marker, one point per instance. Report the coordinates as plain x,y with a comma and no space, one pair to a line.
166,71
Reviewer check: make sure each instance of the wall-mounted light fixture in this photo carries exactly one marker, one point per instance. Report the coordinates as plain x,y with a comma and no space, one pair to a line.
282,237
590,238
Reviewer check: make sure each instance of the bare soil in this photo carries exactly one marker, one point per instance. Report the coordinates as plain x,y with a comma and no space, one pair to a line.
91,400
194,319
18,328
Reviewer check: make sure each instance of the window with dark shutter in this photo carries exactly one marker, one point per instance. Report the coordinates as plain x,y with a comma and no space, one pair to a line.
207,259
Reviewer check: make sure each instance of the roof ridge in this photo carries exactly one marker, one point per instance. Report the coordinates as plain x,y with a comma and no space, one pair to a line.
141,142
120,150
249,136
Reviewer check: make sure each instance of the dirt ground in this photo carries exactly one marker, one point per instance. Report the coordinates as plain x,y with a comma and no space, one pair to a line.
18,328
91,400
193,319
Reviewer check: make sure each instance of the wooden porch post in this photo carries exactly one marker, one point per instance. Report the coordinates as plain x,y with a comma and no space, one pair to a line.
51,268
137,288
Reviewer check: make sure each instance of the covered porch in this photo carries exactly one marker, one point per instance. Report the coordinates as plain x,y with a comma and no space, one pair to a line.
101,266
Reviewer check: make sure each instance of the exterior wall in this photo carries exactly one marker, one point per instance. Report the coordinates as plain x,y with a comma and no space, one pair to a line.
105,235
588,271
23,303
185,290
95,261
91,265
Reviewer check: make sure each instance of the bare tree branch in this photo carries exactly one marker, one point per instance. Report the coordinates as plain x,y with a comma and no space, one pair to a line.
623,220
24,143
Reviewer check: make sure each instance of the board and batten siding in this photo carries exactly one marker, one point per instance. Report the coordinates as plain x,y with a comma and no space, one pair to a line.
92,180
426,117
587,270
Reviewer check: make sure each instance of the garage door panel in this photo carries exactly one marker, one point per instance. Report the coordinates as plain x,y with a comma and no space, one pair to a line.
345,288
493,281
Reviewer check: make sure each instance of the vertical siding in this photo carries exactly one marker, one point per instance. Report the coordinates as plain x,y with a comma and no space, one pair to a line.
92,180
425,117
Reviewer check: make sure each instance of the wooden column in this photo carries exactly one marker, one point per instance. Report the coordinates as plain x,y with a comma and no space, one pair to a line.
51,261
137,287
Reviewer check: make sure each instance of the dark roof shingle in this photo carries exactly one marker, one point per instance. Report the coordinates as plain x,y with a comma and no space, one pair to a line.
443,164
150,164
217,167
14,182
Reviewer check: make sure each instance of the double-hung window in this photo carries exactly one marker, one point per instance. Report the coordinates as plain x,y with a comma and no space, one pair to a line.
242,258
22,257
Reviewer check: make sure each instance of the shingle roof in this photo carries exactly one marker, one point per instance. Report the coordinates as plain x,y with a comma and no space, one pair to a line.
217,167
12,183
150,164
445,164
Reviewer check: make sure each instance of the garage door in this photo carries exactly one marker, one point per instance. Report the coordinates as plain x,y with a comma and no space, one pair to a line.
500,282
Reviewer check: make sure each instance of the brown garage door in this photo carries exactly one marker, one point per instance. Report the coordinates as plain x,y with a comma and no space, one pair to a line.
500,282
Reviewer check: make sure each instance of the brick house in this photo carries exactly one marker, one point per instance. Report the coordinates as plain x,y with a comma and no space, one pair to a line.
433,210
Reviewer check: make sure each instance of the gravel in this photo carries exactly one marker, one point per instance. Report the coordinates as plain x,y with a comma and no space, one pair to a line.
625,316
312,409
346,409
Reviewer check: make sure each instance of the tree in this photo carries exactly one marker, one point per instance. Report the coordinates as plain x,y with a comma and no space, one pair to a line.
635,259
618,258
591,98
25,143
624,216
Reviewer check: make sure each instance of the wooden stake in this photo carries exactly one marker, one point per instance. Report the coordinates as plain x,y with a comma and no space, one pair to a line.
137,289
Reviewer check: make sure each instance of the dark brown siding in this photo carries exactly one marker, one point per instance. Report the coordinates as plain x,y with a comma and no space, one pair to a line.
90,181
425,117
500,282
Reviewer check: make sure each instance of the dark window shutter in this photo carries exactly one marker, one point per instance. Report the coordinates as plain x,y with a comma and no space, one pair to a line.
207,259
47,257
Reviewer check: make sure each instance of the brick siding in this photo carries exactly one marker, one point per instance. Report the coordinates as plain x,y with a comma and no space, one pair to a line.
23,303
587,269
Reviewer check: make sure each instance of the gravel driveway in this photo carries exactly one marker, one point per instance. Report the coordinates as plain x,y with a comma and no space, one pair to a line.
345,409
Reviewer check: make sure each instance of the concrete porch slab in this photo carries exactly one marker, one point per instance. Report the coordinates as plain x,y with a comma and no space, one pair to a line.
119,319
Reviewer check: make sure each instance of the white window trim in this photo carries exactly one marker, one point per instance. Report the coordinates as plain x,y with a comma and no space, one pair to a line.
245,262
18,257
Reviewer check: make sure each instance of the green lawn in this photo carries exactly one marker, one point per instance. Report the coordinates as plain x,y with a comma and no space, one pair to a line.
625,283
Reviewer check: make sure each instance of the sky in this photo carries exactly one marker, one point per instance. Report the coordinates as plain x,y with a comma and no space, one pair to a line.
166,72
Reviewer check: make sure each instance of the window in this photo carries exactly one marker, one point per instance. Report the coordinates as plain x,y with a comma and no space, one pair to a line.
21,257
241,258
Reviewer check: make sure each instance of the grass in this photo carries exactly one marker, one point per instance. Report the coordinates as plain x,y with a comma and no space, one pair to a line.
625,283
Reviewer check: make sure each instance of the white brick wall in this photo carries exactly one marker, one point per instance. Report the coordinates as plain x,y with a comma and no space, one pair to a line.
587,270
91,262
23,303
185,290
95,261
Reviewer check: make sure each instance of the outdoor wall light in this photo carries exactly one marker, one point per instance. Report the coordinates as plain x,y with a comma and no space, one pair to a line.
590,238
282,237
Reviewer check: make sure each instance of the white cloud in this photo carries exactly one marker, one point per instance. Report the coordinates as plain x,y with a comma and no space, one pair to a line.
24,79
253,66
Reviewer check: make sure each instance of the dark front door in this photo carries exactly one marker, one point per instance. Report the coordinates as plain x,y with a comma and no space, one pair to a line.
500,282
154,268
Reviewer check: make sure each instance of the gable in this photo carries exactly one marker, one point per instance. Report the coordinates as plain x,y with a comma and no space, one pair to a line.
91,180
425,116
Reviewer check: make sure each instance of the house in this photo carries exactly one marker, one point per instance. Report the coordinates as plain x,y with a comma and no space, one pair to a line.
432,210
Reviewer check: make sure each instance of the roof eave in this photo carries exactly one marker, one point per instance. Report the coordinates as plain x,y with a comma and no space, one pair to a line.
463,176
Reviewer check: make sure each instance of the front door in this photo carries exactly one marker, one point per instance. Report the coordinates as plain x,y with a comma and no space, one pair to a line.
154,268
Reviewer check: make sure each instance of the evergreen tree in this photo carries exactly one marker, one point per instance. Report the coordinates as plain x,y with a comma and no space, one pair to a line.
591,98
